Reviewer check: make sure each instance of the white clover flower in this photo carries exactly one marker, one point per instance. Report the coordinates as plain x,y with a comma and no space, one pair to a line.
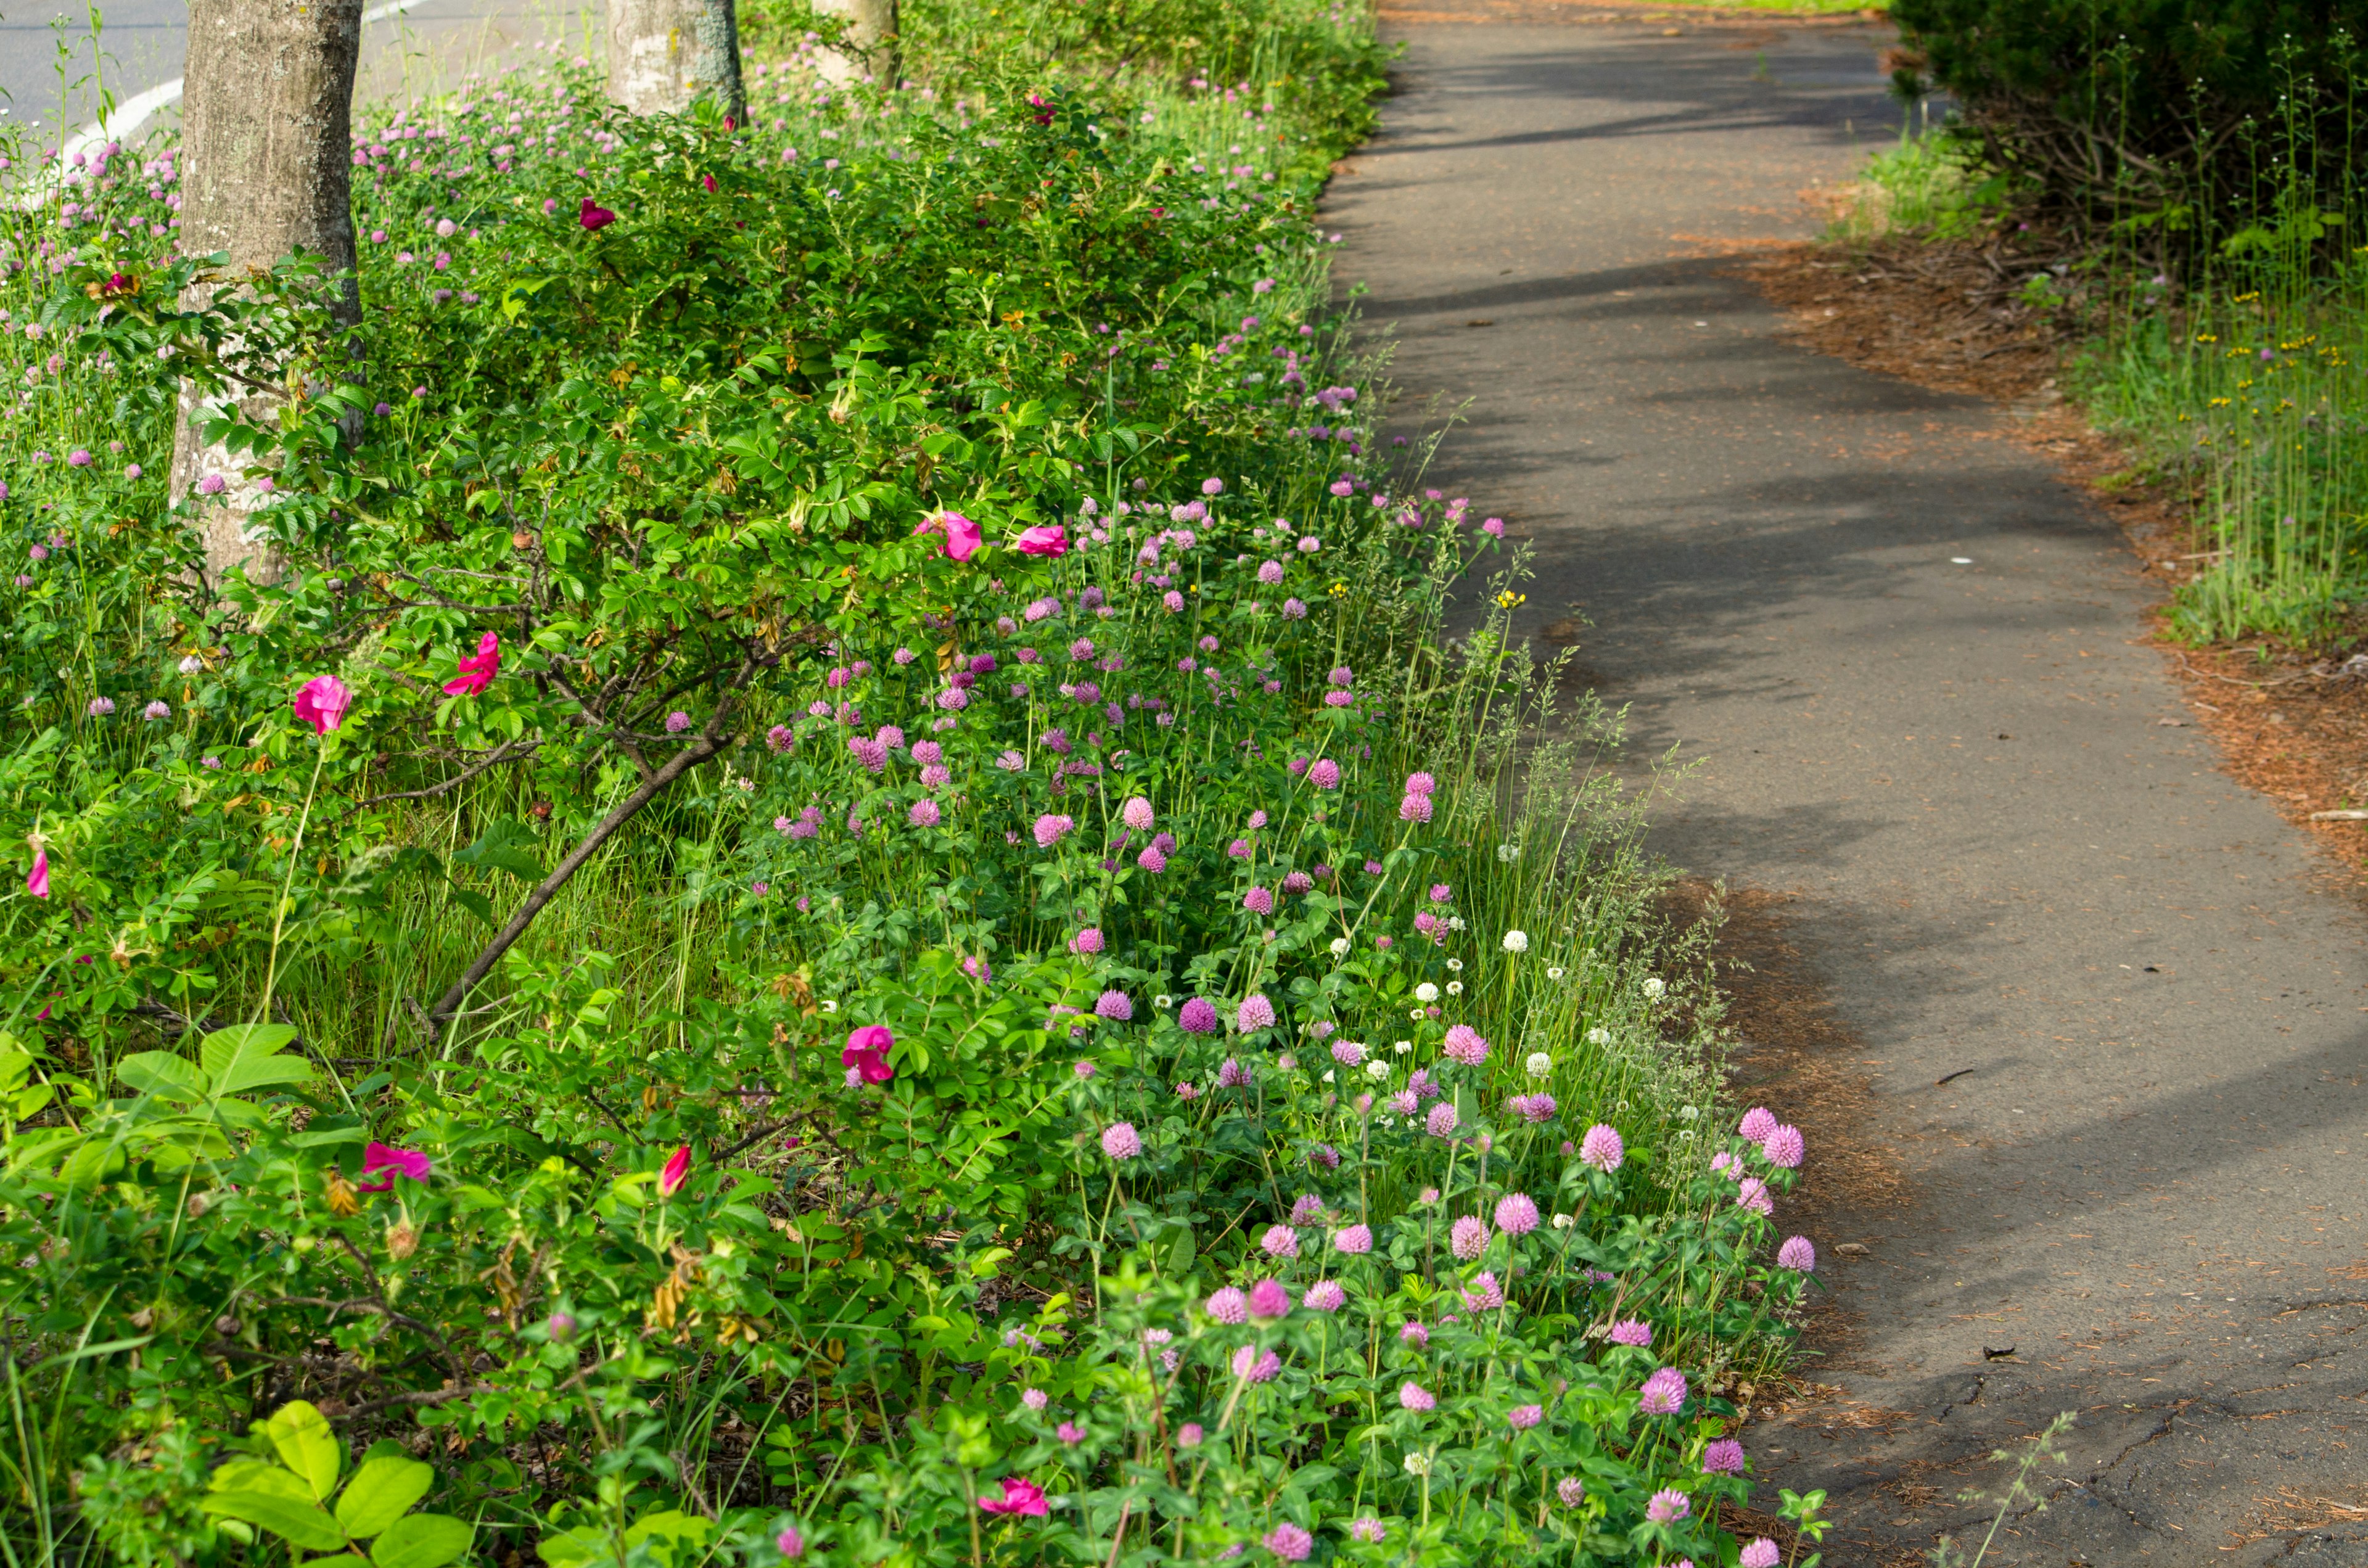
1339,946
192,665
1654,987
1455,988
1509,853
1562,1222
1417,1464
1327,1075
1539,1064
1162,1002
1517,941
1426,992
1402,1047
1416,1013
1599,1035
830,1005
1554,973
1455,966
1455,923
1687,1112
1377,1068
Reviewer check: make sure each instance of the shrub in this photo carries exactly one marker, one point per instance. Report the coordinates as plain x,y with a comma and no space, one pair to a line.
2181,121
841,821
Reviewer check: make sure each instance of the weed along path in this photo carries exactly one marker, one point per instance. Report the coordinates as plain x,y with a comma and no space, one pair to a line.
2088,1003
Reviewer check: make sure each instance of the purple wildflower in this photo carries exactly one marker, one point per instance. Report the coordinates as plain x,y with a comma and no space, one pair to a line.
1602,1148
1468,1237
1517,1214
1664,1392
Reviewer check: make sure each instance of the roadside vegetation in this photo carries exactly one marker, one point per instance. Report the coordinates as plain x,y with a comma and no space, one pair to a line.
819,886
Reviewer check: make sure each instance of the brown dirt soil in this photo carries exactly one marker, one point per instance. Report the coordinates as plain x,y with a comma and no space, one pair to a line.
2292,723
1789,1049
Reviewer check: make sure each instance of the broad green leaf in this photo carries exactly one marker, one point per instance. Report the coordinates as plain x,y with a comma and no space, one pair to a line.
245,1056
674,1528
306,1445
381,1491
506,846
162,1073
476,904
422,1541
301,1523
259,1475
566,1547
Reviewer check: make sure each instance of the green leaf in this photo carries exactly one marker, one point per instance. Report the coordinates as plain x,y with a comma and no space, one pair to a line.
162,1073
299,1524
476,904
567,1548
301,1434
506,846
245,1056
676,1528
422,1541
381,1491
1179,1259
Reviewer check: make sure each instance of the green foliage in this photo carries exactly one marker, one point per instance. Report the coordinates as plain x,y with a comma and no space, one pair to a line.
977,962
2144,114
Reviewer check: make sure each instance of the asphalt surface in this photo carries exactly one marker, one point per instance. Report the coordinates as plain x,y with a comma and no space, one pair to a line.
51,73
1907,663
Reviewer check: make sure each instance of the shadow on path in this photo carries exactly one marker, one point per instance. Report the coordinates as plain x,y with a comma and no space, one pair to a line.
1909,666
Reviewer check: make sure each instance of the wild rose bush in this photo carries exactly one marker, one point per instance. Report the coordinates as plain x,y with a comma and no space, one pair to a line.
1080,904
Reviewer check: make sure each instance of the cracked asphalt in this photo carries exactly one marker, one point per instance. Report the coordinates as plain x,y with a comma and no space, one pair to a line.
1907,666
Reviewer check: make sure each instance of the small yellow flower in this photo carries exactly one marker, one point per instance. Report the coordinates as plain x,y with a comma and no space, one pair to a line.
1510,599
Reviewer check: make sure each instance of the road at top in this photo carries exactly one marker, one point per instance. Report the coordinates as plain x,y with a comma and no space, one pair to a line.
425,48
1909,666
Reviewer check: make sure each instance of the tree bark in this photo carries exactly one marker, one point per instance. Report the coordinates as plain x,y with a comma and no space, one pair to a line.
872,44
664,55
266,146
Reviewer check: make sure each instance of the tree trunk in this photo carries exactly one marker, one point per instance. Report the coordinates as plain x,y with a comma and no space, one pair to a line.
664,55
872,44
266,145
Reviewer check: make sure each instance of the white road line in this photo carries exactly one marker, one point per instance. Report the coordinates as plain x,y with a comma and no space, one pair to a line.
133,112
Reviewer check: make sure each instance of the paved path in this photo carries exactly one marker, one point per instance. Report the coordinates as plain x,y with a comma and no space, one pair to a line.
2150,1184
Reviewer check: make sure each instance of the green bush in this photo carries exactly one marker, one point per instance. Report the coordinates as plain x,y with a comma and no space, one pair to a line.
1073,904
2183,119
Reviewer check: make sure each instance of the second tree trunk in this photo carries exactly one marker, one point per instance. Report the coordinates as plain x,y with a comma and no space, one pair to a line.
664,55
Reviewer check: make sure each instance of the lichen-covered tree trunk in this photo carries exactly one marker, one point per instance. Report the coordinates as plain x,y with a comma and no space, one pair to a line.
266,118
872,44
665,54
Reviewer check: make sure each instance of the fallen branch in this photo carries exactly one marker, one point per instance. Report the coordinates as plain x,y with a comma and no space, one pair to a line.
2339,817
707,744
